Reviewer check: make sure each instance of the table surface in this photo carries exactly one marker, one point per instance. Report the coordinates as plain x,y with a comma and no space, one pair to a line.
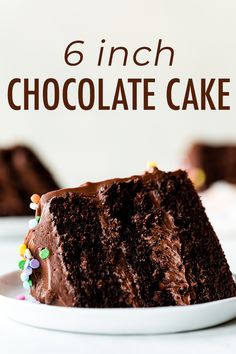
17,338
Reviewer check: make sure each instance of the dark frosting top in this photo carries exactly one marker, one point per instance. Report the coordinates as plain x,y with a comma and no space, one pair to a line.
91,188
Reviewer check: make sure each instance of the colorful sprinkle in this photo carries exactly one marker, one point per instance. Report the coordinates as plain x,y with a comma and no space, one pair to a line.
27,263
24,277
27,284
33,223
27,254
34,263
34,301
21,264
22,249
151,164
34,206
44,253
35,198
20,297
28,271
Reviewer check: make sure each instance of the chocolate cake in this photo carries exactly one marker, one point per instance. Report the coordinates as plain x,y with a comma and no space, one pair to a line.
21,173
142,241
210,163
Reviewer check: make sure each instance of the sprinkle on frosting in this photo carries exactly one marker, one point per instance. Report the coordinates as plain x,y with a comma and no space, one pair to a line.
21,264
38,218
34,263
22,249
24,276
27,265
27,254
44,253
35,198
34,206
151,165
27,284
28,271
33,223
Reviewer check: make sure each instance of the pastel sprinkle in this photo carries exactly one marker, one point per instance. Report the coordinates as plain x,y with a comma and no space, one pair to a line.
34,301
20,297
27,254
27,284
33,223
28,271
24,277
34,263
151,164
27,263
22,249
44,253
21,264
34,206
35,198
38,218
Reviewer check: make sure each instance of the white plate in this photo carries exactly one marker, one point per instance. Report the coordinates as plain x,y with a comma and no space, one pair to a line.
14,226
111,321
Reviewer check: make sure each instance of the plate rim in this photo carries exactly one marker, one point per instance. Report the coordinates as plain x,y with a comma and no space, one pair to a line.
112,321
113,309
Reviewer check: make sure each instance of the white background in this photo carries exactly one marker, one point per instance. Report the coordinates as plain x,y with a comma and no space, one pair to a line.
93,145
80,146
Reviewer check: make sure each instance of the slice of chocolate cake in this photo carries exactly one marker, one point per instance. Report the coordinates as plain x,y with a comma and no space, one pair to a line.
207,164
135,242
21,174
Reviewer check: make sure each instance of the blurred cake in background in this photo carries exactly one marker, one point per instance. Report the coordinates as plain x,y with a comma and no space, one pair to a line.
21,174
207,164
212,169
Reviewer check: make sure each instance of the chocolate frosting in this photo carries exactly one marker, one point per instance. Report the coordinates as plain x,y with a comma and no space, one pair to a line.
50,283
173,250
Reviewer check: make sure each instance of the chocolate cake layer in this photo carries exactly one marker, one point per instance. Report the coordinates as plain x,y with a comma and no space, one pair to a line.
21,175
139,241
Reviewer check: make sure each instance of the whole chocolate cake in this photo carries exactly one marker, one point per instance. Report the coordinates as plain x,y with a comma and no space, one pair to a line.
134,242
210,163
21,173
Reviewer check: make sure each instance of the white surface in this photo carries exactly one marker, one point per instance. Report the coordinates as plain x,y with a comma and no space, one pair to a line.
170,319
13,226
15,337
